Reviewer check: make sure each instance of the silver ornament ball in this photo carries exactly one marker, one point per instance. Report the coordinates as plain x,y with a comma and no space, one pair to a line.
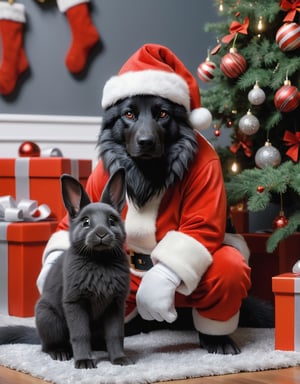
249,124
256,96
267,156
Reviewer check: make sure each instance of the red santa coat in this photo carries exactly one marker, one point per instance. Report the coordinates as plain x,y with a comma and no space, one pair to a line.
184,229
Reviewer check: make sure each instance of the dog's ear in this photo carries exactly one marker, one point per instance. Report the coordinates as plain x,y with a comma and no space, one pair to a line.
73,194
114,192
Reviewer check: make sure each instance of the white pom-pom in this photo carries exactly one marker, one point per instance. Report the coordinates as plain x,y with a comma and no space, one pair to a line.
200,118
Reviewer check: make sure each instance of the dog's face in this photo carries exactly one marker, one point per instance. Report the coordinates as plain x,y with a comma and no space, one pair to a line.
152,139
148,125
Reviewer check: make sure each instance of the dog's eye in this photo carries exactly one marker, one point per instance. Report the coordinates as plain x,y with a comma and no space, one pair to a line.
129,115
85,222
163,114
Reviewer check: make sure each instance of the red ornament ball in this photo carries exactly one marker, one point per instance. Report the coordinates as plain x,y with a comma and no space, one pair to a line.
233,64
205,71
29,149
260,188
279,221
287,98
217,132
288,37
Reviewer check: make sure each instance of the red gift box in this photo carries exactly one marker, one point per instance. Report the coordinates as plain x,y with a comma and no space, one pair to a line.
38,178
286,288
21,248
265,265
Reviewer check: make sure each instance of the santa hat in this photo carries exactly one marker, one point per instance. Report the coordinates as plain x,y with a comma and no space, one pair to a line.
155,70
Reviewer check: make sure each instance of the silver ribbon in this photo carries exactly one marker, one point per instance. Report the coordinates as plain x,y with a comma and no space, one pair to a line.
75,168
25,210
22,178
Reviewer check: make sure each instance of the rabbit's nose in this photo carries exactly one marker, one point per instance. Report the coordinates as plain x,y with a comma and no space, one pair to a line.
101,233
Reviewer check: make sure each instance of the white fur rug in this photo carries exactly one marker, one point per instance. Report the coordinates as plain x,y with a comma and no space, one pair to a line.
159,356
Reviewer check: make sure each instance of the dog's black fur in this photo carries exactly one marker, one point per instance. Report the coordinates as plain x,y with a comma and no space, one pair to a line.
151,137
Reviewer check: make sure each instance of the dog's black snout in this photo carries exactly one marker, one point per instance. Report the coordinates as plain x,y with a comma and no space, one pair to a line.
146,141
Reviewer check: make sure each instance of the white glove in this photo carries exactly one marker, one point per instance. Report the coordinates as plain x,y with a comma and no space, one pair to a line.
156,294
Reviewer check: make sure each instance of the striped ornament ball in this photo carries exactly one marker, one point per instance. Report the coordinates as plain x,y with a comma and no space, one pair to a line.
233,64
288,37
205,70
287,98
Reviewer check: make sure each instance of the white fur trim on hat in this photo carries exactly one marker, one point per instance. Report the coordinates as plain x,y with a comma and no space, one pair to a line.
215,327
147,82
200,118
14,12
64,5
184,255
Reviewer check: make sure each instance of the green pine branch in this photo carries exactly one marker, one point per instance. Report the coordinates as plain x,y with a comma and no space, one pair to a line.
227,99
285,232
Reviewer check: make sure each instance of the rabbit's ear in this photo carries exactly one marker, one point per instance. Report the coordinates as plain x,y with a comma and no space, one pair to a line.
73,194
114,192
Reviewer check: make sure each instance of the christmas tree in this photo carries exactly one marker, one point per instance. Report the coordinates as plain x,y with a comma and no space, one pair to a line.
254,81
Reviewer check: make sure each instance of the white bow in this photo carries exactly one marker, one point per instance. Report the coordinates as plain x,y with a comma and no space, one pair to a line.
25,210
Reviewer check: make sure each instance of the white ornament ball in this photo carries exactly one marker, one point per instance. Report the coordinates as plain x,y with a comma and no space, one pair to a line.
256,96
249,124
267,156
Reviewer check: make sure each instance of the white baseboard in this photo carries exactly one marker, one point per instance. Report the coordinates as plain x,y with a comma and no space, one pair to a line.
75,136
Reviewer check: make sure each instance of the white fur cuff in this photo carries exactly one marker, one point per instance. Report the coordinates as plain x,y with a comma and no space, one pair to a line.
184,255
215,327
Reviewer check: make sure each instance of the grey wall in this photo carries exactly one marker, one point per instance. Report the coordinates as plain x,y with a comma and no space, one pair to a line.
124,26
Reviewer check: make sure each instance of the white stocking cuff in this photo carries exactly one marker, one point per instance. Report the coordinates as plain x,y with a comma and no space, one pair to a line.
64,5
14,12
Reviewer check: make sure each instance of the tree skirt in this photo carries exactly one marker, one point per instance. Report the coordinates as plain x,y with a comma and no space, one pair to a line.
159,356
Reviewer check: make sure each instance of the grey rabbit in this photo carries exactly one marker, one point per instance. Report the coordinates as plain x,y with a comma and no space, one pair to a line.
83,301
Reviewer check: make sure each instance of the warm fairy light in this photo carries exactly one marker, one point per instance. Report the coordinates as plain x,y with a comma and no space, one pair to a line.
234,167
260,25
221,7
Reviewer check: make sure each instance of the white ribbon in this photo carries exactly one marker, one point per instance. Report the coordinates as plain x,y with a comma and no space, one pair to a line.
25,210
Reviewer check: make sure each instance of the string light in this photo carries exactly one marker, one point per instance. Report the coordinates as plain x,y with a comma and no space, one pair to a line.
260,25
235,167
221,6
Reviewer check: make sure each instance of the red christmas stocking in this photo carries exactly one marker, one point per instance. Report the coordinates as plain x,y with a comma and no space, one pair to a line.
84,33
13,61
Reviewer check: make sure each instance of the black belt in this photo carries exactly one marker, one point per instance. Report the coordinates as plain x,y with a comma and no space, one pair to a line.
141,261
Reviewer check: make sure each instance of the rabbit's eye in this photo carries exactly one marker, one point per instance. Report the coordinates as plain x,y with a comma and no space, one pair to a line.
112,220
85,222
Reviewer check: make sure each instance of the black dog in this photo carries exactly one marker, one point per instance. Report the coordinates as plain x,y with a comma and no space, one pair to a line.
151,137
